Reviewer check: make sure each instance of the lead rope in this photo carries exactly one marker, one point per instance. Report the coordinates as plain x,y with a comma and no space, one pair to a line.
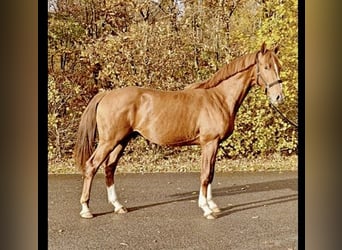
284,117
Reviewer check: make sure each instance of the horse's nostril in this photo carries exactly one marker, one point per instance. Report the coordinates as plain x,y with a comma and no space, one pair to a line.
279,98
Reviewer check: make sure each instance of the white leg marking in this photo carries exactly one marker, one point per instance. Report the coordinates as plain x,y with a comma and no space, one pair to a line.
211,203
113,198
85,212
202,203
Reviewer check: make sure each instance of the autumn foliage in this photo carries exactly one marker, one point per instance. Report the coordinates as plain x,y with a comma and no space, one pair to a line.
167,45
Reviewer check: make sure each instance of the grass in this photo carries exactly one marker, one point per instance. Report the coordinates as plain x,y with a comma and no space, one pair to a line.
182,161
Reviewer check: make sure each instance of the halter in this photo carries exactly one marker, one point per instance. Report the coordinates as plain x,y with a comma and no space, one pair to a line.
268,85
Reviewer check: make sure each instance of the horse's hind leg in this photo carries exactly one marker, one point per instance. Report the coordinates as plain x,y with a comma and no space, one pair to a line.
110,167
92,165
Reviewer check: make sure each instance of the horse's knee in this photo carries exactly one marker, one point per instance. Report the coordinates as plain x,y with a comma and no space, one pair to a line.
89,172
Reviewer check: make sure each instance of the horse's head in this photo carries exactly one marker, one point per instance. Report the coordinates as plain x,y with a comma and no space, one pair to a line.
268,69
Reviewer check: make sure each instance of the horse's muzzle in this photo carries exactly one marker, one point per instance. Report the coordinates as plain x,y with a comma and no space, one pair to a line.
278,99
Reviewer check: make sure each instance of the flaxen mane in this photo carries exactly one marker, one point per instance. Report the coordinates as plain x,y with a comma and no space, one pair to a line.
237,65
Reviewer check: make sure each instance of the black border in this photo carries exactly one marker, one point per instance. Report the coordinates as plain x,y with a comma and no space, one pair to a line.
42,125
301,121
43,129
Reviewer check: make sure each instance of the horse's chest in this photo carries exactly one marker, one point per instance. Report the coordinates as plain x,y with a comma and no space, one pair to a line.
219,125
227,131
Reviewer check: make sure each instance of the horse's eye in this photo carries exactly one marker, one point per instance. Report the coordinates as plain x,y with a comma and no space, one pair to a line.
266,67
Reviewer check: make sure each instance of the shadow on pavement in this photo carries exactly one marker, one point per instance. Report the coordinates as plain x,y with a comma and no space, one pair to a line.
256,204
291,184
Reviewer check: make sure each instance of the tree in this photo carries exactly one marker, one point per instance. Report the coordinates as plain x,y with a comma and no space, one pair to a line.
167,44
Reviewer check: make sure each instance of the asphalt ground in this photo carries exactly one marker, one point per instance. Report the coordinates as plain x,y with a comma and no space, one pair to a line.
259,211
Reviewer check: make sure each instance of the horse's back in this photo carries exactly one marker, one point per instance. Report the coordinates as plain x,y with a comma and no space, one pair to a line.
162,117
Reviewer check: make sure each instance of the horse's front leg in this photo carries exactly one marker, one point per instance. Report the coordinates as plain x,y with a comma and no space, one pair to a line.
205,201
211,203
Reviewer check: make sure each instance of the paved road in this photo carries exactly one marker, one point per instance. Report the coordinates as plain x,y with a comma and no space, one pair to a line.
259,211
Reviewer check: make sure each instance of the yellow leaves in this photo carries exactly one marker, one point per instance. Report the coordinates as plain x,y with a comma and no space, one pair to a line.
169,54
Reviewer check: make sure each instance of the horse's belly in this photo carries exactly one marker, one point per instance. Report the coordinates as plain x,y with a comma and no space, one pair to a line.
169,131
169,118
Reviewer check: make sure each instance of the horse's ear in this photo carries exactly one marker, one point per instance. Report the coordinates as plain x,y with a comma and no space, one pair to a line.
276,49
263,48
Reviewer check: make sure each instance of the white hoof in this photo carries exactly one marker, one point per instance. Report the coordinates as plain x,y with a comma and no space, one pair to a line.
213,206
86,214
216,209
121,210
210,217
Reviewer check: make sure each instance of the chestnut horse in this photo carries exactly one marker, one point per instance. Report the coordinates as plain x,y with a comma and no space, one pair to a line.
202,114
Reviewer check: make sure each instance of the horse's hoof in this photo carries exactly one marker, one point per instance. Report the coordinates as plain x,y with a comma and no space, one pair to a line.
210,217
216,210
121,210
86,214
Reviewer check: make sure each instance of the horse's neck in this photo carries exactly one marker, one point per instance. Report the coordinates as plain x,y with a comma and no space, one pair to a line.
235,89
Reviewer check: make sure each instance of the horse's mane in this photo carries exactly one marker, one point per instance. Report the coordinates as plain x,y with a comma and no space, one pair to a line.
237,65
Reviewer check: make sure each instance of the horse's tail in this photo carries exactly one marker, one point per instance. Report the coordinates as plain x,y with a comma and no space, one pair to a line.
86,133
